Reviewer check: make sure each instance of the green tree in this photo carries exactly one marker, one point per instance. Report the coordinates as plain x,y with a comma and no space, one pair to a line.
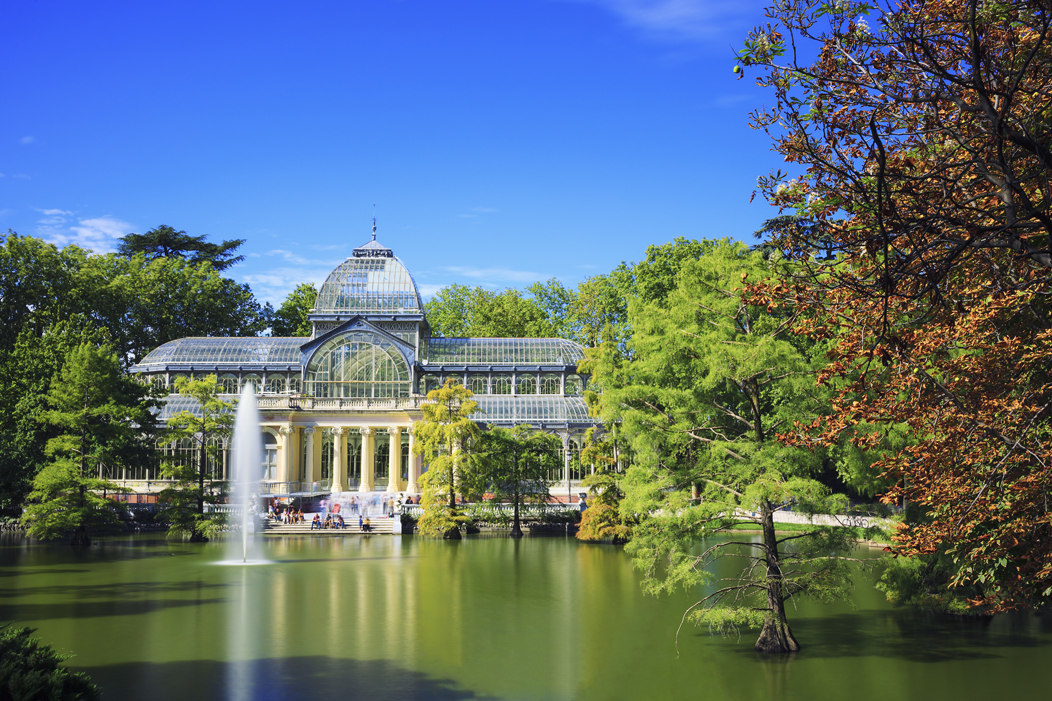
25,374
443,437
166,242
31,671
183,503
602,519
104,421
516,464
710,380
291,317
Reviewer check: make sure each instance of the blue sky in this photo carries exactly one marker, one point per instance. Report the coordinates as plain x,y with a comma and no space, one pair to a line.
502,141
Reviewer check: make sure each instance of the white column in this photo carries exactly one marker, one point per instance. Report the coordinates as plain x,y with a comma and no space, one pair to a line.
367,459
283,453
394,467
308,467
339,459
566,465
414,465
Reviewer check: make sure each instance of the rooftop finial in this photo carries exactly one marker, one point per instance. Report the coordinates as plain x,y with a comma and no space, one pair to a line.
374,222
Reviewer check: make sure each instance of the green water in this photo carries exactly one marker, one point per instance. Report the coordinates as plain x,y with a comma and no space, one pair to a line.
489,617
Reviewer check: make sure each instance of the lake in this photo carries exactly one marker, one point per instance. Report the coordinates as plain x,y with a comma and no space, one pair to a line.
489,617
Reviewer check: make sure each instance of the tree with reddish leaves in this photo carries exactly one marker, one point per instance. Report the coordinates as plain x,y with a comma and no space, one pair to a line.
920,134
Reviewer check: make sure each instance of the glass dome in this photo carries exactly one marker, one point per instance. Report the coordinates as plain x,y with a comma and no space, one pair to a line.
372,281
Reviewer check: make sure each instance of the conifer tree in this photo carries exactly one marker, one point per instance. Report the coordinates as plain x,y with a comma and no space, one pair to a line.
443,438
184,502
709,382
104,421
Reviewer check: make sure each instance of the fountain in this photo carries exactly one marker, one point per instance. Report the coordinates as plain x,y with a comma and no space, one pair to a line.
247,460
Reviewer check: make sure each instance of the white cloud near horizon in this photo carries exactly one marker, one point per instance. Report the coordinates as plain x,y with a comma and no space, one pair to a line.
97,234
27,140
678,20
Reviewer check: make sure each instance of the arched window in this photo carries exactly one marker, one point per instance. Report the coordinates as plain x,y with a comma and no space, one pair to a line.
158,382
358,364
270,456
550,384
574,386
254,380
478,384
502,384
428,383
275,384
527,384
294,384
354,459
381,460
327,443
227,384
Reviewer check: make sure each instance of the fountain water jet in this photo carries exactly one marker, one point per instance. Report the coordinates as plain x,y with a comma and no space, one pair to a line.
247,460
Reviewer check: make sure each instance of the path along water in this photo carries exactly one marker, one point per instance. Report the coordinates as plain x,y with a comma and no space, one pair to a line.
490,617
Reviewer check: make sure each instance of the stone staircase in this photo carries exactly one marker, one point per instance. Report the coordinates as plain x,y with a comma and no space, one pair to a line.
381,526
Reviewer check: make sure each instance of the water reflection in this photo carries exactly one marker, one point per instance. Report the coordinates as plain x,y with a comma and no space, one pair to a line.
411,618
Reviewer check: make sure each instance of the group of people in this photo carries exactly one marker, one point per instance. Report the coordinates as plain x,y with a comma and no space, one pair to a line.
331,521
286,515
335,521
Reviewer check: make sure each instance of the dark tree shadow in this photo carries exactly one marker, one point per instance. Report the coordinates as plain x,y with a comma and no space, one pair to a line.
910,635
95,609
275,679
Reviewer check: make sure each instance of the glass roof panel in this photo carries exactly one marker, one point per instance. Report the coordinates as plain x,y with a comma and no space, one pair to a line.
504,351
532,410
227,351
369,285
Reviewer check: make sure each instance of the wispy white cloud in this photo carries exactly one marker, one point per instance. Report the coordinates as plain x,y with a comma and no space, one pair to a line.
21,176
275,284
98,234
681,20
27,140
300,260
428,291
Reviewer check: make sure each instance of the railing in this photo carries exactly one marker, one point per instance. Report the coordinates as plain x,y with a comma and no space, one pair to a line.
501,510
337,403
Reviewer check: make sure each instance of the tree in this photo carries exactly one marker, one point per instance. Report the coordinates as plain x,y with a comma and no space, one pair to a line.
602,519
25,374
516,465
459,311
924,147
443,437
166,242
105,421
291,317
710,380
183,503
31,671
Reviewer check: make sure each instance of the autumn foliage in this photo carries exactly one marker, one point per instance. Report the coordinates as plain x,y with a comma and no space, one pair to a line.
923,226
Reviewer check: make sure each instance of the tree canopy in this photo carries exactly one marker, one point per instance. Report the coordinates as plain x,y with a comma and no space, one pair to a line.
166,242
709,382
290,319
920,145
104,422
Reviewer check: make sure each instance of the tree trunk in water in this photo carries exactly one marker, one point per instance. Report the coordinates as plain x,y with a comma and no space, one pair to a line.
516,529
775,637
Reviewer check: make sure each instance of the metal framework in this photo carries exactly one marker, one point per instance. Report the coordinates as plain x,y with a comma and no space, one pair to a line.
369,285
503,351
225,351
